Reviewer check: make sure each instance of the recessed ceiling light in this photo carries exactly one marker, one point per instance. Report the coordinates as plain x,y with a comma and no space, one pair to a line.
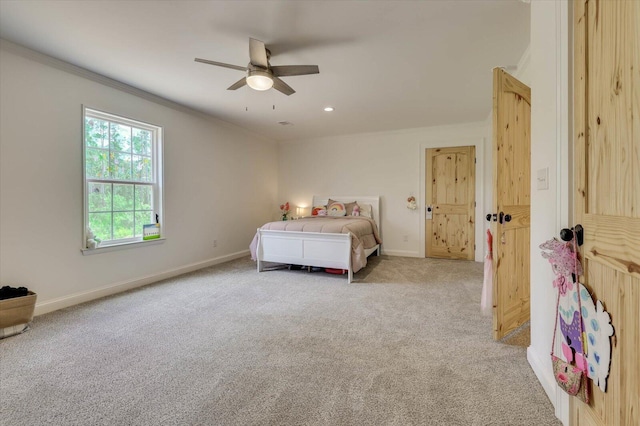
328,109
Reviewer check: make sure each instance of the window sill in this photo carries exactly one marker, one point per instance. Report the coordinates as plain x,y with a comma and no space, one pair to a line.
122,246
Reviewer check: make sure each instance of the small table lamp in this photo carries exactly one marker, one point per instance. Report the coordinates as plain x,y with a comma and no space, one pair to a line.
302,211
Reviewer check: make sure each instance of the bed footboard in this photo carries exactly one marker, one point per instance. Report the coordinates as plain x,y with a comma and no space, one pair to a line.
305,248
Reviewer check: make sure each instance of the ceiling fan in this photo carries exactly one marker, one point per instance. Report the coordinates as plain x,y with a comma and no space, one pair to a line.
260,74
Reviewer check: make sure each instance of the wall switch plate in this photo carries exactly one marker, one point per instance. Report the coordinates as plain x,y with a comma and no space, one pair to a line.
543,178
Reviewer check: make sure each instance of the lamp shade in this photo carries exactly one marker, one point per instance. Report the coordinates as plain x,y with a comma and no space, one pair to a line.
259,80
302,211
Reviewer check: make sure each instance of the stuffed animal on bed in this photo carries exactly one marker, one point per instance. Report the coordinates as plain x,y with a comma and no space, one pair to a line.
356,210
319,211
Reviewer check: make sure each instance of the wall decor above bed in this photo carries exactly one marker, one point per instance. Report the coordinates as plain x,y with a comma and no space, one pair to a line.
336,242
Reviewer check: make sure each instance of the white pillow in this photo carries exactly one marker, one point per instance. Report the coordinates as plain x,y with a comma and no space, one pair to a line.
365,210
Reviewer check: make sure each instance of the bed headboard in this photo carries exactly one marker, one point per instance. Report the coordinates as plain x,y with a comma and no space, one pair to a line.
374,200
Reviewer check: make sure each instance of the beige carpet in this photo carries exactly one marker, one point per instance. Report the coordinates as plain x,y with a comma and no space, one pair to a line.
403,345
519,337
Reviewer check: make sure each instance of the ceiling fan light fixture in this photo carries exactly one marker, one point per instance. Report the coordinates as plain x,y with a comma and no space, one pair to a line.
259,80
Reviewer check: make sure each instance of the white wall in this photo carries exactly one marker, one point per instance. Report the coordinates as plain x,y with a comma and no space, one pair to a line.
218,180
550,136
389,164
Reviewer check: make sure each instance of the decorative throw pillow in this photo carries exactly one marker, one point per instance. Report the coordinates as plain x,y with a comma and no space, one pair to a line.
319,211
365,210
348,206
336,209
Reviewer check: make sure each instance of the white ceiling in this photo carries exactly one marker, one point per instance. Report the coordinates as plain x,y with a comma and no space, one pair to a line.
384,65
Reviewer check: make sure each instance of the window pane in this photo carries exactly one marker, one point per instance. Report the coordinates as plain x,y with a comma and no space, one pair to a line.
120,166
144,197
100,224
141,141
121,179
142,168
120,138
99,197
96,132
97,164
122,225
122,197
143,218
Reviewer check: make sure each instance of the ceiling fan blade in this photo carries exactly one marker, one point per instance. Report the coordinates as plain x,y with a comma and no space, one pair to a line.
288,70
221,64
283,87
238,84
258,53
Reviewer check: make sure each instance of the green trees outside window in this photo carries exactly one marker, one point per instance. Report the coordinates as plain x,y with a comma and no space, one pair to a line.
120,179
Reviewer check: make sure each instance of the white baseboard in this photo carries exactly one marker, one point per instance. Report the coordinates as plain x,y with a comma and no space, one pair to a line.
545,376
402,253
77,298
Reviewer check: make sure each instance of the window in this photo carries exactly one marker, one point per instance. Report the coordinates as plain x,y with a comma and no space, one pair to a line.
122,177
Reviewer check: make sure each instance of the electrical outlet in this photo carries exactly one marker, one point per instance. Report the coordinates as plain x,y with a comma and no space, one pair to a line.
215,243
406,239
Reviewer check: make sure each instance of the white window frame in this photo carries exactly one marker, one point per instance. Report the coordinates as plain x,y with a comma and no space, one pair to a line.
156,183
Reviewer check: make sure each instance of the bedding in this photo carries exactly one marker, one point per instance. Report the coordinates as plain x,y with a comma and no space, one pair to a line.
364,233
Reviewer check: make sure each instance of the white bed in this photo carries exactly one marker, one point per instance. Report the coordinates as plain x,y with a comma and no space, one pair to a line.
314,249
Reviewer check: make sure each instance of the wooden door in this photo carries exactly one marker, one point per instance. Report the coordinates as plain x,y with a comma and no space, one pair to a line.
451,195
607,192
511,202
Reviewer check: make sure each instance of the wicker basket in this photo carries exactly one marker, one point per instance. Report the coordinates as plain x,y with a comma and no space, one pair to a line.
17,310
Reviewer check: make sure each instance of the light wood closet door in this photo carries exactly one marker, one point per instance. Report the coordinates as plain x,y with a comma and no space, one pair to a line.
607,193
451,189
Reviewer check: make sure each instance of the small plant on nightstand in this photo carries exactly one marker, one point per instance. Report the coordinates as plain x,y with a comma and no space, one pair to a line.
284,209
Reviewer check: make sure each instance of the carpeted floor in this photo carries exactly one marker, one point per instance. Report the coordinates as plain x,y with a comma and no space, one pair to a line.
519,337
405,344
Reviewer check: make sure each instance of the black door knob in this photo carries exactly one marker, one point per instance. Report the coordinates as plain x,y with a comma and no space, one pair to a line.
566,234
507,218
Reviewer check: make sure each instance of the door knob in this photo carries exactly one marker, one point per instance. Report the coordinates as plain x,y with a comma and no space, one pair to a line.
567,234
504,218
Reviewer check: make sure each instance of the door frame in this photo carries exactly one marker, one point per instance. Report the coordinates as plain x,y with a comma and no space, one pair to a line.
479,143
